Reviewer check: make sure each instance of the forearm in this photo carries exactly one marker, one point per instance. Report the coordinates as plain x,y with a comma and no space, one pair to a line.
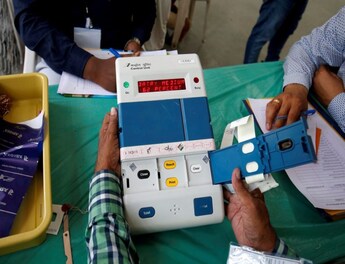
324,46
299,67
107,233
52,44
337,110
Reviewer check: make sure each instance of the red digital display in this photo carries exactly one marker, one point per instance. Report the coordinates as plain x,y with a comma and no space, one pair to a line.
161,85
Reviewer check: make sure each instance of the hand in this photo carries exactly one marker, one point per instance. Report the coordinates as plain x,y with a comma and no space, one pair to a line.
291,103
326,85
249,217
102,72
133,46
108,157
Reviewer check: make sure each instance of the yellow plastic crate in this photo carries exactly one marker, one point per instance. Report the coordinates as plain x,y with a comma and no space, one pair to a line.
29,95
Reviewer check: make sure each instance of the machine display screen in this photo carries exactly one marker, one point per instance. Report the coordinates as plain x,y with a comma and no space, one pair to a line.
161,85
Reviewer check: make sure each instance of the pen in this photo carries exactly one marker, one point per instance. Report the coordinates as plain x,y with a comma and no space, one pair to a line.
77,95
104,96
115,53
308,112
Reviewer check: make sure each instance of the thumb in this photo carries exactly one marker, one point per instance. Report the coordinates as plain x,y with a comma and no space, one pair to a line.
238,185
113,121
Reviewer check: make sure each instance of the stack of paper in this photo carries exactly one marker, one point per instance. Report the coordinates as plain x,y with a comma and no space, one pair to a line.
323,182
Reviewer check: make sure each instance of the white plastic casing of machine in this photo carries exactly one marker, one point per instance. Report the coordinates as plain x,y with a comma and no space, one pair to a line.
165,137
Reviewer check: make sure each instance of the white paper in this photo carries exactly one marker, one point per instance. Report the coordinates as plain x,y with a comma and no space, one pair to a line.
87,37
243,129
73,85
323,182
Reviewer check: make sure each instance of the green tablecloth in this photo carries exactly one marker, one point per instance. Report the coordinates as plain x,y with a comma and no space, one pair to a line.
74,126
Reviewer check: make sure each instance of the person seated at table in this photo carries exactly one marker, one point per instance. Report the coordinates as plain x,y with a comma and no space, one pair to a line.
59,30
107,235
309,63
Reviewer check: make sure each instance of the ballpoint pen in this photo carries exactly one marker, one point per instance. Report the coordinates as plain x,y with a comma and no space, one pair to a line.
115,53
306,113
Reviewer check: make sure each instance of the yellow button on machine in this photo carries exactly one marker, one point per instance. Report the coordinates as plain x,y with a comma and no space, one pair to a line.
171,182
170,164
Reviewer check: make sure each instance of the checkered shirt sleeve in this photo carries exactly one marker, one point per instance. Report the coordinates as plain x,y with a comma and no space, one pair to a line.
107,235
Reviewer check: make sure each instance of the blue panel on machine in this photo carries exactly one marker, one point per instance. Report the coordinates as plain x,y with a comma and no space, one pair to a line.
196,118
203,206
140,123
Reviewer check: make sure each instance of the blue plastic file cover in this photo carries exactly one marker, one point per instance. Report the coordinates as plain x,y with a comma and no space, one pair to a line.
150,122
196,118
225,160
300,152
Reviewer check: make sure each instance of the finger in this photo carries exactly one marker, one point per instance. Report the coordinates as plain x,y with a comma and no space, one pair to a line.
281,118
226,194
130,54
238,185
113,111
257,194
294,113
105,123
293,116
282,115
113,121
272,110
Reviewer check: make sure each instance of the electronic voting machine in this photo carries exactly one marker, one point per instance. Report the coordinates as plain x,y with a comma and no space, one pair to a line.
165,137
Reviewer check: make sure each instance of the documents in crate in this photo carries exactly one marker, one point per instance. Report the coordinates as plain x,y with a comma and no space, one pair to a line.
323,182
20,150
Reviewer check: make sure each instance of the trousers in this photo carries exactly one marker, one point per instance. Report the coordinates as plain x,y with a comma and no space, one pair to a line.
277,20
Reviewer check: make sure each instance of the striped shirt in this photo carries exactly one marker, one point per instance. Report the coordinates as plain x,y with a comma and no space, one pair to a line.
281,249
324,46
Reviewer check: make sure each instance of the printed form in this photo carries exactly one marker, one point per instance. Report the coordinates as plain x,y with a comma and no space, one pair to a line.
323,182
